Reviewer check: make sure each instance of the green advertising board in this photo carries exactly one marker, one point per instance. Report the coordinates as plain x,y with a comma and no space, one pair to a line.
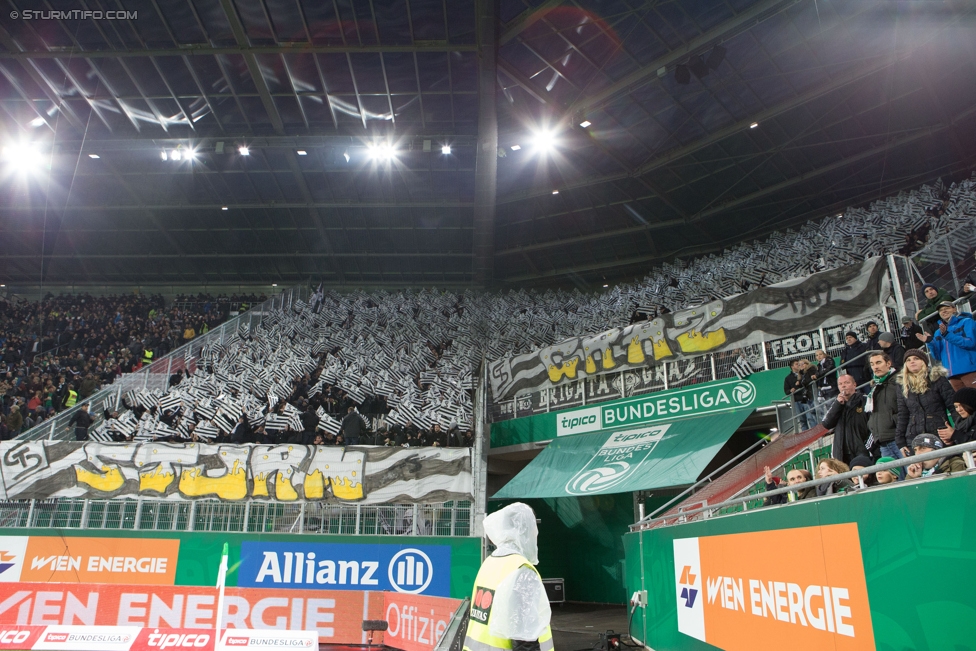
916,547
708,398
200,553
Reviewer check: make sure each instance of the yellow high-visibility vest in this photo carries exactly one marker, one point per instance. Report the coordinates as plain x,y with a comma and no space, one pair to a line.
493,571
147,356
72,399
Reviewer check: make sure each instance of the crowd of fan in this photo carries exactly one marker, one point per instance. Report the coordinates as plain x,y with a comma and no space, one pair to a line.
465,328
897,395
58,351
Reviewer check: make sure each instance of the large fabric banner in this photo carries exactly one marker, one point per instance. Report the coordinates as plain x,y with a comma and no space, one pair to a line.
234,473
822,300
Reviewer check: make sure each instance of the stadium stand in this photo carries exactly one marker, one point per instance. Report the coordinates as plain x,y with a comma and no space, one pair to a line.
416,351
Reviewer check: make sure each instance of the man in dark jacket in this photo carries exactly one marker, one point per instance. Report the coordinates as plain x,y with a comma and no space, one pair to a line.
883,404
82,420
852,350
887,343
849,421
964,431
908,331
934,296
353,426
946,465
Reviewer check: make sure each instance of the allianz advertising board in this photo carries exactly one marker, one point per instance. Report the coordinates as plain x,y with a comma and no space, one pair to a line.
700,400
411,569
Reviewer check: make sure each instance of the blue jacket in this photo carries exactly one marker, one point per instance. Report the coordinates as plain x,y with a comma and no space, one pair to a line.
957,349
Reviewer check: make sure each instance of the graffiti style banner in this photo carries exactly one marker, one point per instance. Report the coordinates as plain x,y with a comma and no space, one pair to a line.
823,300
233,473
813,593
336,616
57,559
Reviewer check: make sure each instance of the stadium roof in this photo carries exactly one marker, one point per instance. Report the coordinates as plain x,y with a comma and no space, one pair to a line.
677,127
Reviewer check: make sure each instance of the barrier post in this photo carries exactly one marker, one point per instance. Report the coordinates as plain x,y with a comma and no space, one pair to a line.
952,266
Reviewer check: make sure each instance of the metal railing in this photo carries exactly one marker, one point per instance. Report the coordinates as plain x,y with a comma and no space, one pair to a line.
441,519
457,628
965,450
156,375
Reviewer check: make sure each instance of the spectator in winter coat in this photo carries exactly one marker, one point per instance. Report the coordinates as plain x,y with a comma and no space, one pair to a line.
964,431
954,344
944,465
826,381
908,331
934,297
849,421
885,476
864,481
800,476
927,397
884,404
888,343
828,468
772,483
852,350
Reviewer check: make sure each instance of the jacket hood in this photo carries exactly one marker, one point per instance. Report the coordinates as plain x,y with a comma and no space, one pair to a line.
513,531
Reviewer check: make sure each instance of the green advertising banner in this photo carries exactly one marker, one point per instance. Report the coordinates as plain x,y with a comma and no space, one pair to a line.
719,397
199,553
750,580
629,458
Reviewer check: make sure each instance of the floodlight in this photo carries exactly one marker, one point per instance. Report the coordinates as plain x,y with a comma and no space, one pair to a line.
516,147
224,208
544,141
446,149
345,155
38,122
174,155
606,285
23,155
753,125
302,152
381,152
555,191
243,151
96,156
585,123
163,155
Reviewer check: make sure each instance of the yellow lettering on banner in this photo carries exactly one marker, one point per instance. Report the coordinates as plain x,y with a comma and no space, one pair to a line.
260,485
284,490
635,351
345,488
698,342
314,485
157,480
662,349
230,486
108,481
567,368
590,365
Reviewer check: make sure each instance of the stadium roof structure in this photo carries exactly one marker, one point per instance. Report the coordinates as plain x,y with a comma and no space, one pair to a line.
457,143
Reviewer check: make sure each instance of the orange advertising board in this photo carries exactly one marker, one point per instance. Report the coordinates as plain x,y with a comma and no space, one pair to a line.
336,615
745,591
143,561
417,622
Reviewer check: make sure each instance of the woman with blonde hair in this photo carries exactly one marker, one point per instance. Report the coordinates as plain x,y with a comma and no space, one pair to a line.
928,397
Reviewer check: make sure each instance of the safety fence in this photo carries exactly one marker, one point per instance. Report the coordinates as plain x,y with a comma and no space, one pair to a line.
156,375
441,519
